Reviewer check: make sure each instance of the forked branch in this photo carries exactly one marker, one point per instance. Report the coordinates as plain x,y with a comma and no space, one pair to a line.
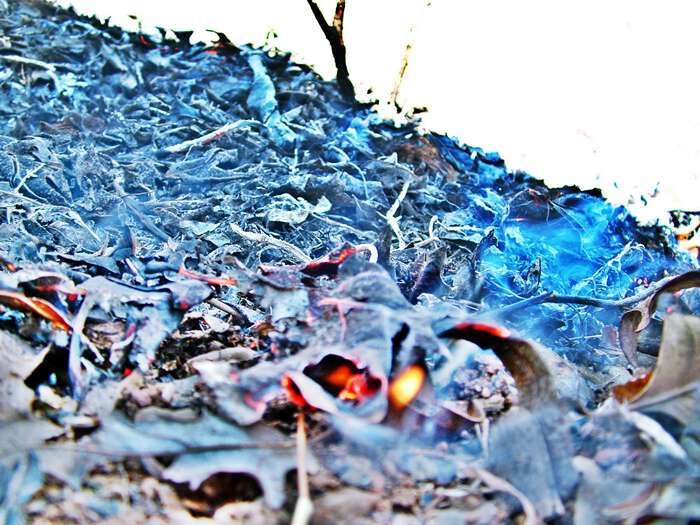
334,35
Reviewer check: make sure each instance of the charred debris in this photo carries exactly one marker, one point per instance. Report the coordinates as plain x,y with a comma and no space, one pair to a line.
227,293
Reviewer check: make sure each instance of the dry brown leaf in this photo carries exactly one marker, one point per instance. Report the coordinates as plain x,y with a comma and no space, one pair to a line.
676,375
637,319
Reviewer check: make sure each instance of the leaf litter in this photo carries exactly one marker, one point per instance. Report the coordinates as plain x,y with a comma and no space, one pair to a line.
206,250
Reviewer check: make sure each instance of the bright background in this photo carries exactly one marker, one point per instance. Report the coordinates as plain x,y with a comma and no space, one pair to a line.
599,93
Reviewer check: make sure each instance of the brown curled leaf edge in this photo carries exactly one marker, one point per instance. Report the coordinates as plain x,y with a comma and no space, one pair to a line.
670,387
35,305
637,319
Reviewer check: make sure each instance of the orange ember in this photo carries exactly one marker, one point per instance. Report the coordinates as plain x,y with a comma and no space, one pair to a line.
293,392
340,376
358,387
406,386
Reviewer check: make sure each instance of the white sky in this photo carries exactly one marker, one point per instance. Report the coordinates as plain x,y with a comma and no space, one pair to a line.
601,93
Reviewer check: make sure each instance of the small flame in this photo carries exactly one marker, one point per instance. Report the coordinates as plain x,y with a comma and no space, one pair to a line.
406,386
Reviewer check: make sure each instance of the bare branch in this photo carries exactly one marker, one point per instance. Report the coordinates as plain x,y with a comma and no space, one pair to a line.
334,35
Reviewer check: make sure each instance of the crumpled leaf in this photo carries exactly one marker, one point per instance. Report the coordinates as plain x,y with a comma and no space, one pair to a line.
606,499
521,456
290,210
262,100
204,446
669,387
36,305
18,361
25,434
638,318
679,500
156,311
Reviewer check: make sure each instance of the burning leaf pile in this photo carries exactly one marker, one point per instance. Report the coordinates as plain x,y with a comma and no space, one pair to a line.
206,251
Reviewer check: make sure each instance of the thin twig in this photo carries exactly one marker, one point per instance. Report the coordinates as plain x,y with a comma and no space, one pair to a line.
211,136
74,370
304,508
189,449
146,221
551,297
394,221
269,239
49,68
407,55
226,308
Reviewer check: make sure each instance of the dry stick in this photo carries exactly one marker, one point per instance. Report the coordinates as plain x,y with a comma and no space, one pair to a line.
50,68
551,297
209,137
269,239
226,308
304,508
147,222
74,371
394,221
334,35
407,56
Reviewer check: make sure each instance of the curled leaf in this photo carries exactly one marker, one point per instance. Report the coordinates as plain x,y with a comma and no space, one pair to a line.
37,306
669,387
637,319
540,373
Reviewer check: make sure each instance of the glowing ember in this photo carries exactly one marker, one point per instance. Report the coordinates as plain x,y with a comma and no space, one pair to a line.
340,376
406,386
485,328
293,392
358,387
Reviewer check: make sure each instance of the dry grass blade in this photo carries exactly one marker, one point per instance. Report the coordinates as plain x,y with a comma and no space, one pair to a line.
304,507
269,239
499,484
209,137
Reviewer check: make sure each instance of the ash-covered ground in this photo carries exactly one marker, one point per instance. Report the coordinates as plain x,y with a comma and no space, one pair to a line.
199,244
